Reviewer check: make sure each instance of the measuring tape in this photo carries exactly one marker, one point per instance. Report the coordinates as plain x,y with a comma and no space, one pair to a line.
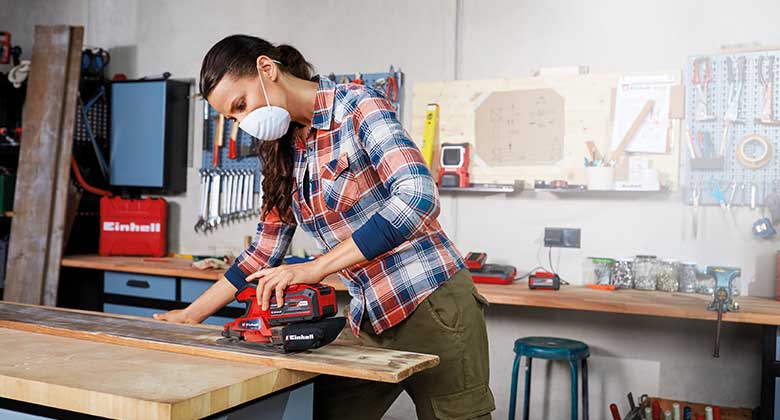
430,132
758,161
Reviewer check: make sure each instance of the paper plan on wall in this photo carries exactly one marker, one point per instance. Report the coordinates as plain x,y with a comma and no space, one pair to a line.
633,92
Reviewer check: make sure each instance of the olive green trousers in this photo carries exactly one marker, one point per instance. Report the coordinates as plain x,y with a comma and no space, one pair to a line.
450,324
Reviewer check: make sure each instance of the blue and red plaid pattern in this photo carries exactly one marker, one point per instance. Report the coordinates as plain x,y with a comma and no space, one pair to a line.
362,162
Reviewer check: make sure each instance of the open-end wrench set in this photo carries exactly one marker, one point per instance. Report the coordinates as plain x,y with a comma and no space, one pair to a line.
730,150
229,183
227,195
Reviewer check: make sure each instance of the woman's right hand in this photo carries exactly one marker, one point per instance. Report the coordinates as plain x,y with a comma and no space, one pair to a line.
178,316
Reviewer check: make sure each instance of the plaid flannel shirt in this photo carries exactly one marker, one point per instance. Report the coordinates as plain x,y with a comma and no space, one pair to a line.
363,164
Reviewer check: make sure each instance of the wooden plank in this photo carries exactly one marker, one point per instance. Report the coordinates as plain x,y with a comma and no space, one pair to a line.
335,359
173,267
64,152
115,381
37,225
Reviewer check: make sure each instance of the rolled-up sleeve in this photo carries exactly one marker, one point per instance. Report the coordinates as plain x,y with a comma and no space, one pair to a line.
267,249
400,165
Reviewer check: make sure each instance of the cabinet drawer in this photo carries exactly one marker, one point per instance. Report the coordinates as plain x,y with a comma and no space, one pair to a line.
140,285
217,320
111,308
191,289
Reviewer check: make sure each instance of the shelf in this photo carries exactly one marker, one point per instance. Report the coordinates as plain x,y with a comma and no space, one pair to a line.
604,192
517,187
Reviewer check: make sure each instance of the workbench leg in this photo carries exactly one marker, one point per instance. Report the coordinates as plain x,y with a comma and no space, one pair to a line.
527,393
574,382
585,414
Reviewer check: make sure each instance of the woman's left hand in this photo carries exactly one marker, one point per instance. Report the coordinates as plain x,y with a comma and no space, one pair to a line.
275,280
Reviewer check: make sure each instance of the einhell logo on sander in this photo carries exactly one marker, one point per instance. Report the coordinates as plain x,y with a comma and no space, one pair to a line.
133,227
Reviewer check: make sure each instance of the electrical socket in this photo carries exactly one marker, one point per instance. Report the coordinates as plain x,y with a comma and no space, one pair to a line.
561,237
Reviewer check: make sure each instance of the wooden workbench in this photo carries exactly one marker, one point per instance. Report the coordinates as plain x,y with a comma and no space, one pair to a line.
753,310
117,381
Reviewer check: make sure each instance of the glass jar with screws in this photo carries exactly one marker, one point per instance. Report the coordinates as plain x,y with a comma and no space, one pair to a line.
600,270
623,273
668,279
705,283
688,277
645,272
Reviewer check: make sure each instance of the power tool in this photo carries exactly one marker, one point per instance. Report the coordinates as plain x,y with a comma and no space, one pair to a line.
454,172
303,323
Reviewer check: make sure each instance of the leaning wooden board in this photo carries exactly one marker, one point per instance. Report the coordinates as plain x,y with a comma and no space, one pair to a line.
338,358
38,226
114,381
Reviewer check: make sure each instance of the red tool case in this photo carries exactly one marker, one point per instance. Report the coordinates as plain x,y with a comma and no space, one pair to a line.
133,227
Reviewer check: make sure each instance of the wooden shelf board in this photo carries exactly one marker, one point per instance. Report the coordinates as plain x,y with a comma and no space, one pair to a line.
753,310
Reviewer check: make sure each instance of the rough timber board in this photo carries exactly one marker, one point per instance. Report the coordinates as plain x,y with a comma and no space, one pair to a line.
335,359
44,171
114,381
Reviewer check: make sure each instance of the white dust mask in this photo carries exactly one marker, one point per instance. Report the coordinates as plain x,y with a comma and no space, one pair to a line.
268,122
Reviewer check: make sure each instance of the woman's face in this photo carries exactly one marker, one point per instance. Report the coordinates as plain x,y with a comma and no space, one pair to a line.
235,97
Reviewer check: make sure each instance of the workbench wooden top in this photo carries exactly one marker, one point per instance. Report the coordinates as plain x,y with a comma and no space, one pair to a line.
753,310
117,381
173,267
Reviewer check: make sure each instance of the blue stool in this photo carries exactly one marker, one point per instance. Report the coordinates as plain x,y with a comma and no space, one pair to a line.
550,348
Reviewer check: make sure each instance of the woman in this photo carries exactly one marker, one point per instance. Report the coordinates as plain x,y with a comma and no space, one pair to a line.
346,172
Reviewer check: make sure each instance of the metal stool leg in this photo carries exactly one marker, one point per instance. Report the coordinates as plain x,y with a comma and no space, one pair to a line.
585,414
513,395
574,386
527,398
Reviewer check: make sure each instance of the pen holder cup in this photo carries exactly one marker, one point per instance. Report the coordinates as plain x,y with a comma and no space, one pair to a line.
600,177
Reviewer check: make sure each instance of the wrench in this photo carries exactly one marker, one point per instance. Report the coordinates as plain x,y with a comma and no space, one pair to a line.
242,196
234,196
202,216
214,201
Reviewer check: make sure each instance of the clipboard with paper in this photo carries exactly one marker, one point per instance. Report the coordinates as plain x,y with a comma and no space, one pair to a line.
632,94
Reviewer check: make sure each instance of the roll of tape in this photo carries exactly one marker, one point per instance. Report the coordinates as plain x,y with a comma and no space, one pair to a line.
754,162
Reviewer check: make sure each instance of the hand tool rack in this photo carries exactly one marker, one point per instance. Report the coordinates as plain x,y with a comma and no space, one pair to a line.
750,108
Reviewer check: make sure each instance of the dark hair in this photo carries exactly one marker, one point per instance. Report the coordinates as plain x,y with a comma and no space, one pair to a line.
236,56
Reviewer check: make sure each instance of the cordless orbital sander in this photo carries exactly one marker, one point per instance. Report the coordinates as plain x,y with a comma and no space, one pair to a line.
306,320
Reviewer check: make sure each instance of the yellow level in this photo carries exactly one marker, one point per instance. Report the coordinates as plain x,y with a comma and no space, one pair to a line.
430,132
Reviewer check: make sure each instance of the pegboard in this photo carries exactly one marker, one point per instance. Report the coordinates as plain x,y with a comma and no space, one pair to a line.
751,104
379,81
251,163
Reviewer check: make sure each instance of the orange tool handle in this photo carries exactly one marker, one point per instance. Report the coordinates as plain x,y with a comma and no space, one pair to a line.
614,410
232,154
218,133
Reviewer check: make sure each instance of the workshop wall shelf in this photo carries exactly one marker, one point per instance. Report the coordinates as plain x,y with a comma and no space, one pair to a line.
515,188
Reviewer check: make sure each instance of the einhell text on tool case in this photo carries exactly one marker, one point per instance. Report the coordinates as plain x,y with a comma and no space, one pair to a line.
133,227
304,322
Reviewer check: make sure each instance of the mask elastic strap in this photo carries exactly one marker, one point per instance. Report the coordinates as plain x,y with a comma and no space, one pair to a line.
264,92
263,84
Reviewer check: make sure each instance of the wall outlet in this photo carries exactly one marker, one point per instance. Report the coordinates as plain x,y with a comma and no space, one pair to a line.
561,237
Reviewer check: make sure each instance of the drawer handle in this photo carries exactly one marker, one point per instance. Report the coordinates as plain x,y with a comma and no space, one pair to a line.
141,284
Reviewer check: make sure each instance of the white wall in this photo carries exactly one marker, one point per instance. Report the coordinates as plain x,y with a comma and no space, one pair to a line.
500,38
